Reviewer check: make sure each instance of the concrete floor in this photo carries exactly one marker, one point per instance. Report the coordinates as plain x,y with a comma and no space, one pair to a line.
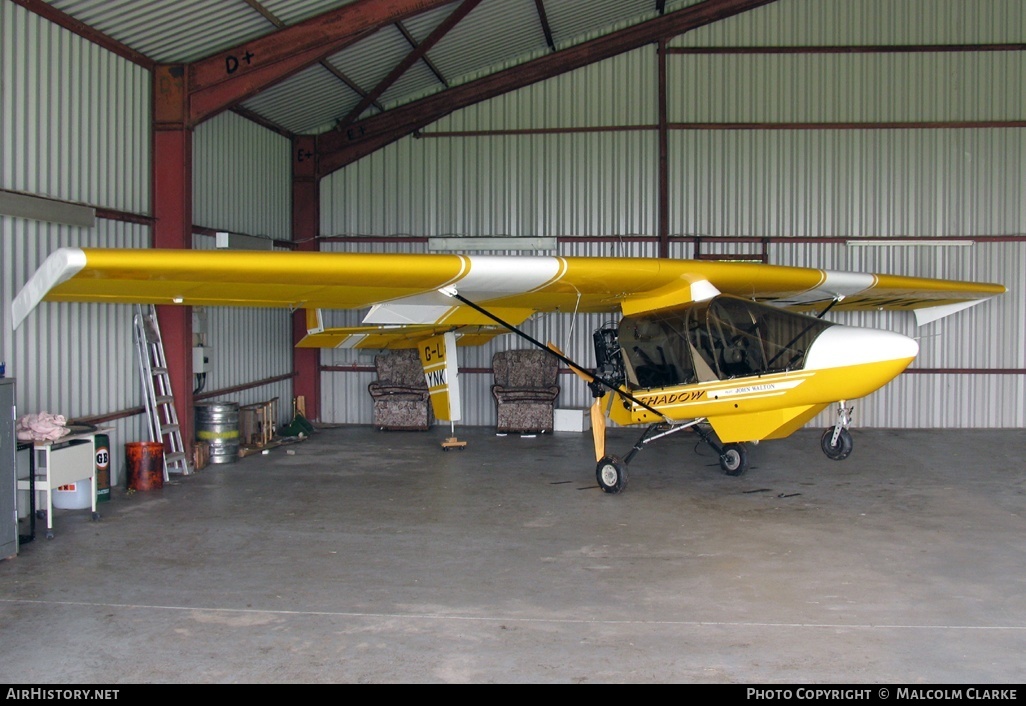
370,556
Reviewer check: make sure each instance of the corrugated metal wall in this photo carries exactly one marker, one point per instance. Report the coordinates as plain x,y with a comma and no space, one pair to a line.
75,127
241,178
242,184
777,183
873,22
590,183
75,117
847,183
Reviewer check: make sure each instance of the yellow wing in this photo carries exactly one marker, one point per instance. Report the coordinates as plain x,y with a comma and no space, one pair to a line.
404,289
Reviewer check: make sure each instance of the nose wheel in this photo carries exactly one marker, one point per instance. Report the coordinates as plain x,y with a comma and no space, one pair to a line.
836,444
836,441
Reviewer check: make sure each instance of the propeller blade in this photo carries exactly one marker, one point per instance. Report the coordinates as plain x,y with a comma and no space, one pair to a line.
580,373
598,428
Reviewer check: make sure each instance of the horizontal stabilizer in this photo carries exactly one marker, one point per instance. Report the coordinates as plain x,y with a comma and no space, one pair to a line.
392,337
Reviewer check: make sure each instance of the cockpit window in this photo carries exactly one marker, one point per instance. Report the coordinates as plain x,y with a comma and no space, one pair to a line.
718,339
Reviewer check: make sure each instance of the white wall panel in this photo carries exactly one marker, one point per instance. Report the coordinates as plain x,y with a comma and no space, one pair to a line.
75,122
242,181
838,183
588,184
842,87
874,22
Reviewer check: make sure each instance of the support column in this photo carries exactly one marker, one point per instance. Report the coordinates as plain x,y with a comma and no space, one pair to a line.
172,209
664,178
306,223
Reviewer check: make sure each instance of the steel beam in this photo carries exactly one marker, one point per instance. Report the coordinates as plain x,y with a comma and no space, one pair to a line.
172,228
306,204
218,82
338,148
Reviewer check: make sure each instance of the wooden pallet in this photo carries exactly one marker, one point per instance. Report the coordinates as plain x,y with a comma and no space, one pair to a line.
250,449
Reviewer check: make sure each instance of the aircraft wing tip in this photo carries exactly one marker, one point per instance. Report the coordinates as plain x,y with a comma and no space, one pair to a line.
927,315
59,267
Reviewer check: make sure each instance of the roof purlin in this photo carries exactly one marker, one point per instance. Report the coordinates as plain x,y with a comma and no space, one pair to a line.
418,52
340,147
221,80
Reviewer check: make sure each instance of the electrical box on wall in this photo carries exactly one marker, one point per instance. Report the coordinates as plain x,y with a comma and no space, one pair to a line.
201,359
199,326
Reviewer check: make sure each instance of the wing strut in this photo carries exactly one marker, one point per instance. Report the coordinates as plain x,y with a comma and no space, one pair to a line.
611,472
834,302
593,381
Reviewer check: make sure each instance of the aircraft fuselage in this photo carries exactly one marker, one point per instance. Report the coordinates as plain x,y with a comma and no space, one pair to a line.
753,371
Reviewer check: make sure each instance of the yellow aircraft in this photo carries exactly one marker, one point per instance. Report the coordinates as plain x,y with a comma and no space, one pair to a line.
719,348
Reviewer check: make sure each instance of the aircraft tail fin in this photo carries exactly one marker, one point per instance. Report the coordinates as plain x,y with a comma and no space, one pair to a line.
438,356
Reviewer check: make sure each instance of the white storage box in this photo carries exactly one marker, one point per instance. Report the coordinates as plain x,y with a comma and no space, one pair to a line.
571,420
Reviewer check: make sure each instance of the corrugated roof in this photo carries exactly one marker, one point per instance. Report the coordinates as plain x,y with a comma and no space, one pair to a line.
170,31
494,35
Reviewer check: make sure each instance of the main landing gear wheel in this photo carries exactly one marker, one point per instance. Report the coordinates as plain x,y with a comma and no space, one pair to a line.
840,450
734,459
611,474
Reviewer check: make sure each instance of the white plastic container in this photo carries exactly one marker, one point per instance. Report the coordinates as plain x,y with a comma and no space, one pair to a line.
73,496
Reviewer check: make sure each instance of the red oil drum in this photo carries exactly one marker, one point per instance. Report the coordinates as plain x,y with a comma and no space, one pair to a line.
145,464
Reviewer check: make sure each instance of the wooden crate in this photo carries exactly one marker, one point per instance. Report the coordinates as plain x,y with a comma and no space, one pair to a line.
256,423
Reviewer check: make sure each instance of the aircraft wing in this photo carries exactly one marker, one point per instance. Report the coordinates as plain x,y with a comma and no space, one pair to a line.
403,290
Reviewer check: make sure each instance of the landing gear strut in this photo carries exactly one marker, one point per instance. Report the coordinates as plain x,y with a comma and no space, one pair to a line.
836,441
733,456
611,471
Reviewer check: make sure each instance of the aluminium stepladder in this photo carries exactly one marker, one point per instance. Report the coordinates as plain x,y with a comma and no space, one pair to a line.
156,385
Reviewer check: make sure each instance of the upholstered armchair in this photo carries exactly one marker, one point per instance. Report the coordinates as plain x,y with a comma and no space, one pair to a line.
525,390
400,394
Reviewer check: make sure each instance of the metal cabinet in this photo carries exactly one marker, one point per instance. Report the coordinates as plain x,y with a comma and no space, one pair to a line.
8,472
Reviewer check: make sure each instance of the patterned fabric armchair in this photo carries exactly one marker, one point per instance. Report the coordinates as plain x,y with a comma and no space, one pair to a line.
525,390
400,394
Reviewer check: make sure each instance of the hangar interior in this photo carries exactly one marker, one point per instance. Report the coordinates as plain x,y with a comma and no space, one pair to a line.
883,136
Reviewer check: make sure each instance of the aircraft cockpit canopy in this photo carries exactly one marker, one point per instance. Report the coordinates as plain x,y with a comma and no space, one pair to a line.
717,339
